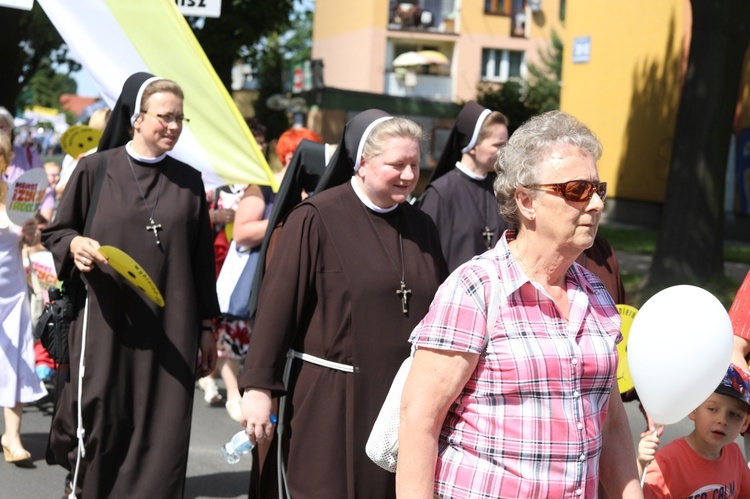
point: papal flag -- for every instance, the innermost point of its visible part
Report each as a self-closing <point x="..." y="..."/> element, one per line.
<point x="113" y="39"/>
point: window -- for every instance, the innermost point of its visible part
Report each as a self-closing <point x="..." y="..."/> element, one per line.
<point x="501" y="7"/>
<point x="501" y="65"/>
<point x="562" y="10"/>
<point x="504" y="7"/>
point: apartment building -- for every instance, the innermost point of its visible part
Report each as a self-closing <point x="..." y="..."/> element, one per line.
<point x="370" y="46"/>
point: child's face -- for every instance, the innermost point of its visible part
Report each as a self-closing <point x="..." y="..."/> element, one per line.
<point x="719" y="421"/>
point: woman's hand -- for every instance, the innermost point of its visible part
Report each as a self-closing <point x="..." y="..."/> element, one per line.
<point x="222" y="216"/>
<point x="85" y="253"/>
<point x="208" y="353"/>
<point x="256" y="414"/>
<point x="30" y="232"/>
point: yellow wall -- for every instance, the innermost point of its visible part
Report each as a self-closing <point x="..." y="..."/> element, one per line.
<point x="336" y="17"/>
<point x="629" y="91"/>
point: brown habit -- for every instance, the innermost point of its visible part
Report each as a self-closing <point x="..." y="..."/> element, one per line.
<point x="330" y="291"/>
<point x="140" y="359"/>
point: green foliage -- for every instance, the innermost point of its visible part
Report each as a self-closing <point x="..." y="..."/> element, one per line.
<point x="539" y="94"/>
<point x="243" y="24"/>
<point x="46" y="86"/>
<point x="544" y="80"/>
<point x="507" y="98"/>
<point x="29" y="42"/>
<point x="270" y="64"/>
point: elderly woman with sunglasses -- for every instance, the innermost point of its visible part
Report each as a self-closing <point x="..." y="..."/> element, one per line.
<point x="528" y="405"/>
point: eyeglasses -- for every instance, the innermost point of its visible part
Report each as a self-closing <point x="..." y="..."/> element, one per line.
<point x="168" y="119"/>
<point x="574" y="190"/>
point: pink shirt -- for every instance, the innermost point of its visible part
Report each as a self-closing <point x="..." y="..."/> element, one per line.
<point x="529" y="421"/>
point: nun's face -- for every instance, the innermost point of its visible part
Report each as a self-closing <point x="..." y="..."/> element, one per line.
<point x="389" y="178"/>
<point x="157" y="129"/>
<point x="485" y="152"/>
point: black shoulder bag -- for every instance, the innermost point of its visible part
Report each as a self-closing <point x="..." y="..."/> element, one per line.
<point x="54" y="324"/>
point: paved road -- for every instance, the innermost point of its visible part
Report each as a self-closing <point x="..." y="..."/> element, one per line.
<point x="208" y="475"/>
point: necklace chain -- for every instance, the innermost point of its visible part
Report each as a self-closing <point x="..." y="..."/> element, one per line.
<point x="487" y="233"/>
<point x="403" y="291"/>
<point x="152" y="225"/>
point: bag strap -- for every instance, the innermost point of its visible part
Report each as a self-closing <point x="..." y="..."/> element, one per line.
<point x="98" y="181"/>
<point x="492" y="306"/>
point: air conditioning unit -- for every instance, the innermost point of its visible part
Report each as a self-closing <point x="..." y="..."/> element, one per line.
<point x="535" y="5"/>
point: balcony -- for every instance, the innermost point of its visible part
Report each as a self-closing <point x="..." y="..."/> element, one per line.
<point x="432" y="16"/>
<point x="410" y="84"/>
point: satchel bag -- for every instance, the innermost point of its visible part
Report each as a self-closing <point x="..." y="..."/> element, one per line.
<point x="53" y="326"/>
<point x="235" y="280"/>
<point x="382" y="445"/>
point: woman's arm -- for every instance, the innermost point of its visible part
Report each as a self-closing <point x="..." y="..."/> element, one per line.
<point x="618" y="471"/>
<point x="435" y="380"/>
<point x="249" y="225"/>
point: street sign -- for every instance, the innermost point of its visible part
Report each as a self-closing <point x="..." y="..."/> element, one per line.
<point x="199" y="8"/>
<point x="581" y="49"/>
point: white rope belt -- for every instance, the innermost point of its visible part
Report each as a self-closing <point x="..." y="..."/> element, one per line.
<point x="306" y="357"/>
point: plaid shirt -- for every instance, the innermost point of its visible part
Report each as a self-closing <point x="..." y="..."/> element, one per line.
<point x="529" y="421"/>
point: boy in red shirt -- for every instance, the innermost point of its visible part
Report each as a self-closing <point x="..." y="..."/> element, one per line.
<point x="707" y="461"/>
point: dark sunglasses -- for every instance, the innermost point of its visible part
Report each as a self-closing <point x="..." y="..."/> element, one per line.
<point x="574" y="190"/>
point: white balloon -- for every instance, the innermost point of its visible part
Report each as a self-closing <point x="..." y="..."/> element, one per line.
<point x="679" y="349"/>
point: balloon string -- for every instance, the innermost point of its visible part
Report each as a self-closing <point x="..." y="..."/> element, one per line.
<point x="645" y="469"/>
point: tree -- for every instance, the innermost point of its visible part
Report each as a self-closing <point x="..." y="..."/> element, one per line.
<point x="46" y="85"/>
<point x="544" y="80"/>
<point x="540" y="93"/>
<point x="689" y="246"/>
<point x="243" y="23"/>
<point x="28" y="42"/>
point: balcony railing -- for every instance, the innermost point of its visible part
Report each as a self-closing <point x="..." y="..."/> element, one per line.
<point x="419" y="85"/>
<point x="436" y="16"/>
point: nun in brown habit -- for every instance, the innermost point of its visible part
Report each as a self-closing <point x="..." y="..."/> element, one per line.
<point x="354" y="271"/>
<point x="459" y="196"/>
<point x="132" y="410"/>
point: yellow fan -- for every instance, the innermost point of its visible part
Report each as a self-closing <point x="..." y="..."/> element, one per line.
<point x="130" y="270"/>
<point x="624" y="380"/>
<point x="79" y="139"/>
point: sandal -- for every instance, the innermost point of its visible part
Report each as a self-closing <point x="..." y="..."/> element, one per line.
<point x="18" y="456"/>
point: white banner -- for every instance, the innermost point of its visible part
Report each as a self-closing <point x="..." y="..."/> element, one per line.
<point x="28" y="4"/>
<point x="200" y="8"/>
<point x="113" y="39"/>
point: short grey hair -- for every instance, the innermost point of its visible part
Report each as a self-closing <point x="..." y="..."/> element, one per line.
<point x="396" y="127"/>
<point x="6" y="116"/>
<point x="529" y="146"/>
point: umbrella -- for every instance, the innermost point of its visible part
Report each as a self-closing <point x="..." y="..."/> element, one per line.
<point x="410" y="58"/>
<point x="434" y="57"/>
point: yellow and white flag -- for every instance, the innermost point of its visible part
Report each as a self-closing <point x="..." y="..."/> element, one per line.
<point x="113" y="39"/>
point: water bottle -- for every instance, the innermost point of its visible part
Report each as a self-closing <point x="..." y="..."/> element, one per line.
<point x="233" y="450"/>
<point x="240" y="444"/>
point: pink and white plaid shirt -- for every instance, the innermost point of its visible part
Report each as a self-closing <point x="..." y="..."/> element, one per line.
<point x="529" y="421"/>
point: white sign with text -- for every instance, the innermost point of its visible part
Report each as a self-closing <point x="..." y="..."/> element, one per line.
<point x="199" y="8"/>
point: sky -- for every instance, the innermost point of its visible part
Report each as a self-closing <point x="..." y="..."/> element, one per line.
<point x="86" y="85"/>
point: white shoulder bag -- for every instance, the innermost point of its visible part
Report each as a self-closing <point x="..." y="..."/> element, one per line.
<point x="382" y="446"/>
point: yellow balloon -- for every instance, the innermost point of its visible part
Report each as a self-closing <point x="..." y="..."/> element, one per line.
<point x="134" y="273"/>
<point x="624" y="381"/>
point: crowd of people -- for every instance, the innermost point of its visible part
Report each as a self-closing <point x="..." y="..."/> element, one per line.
<point x="494" y="278"/>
